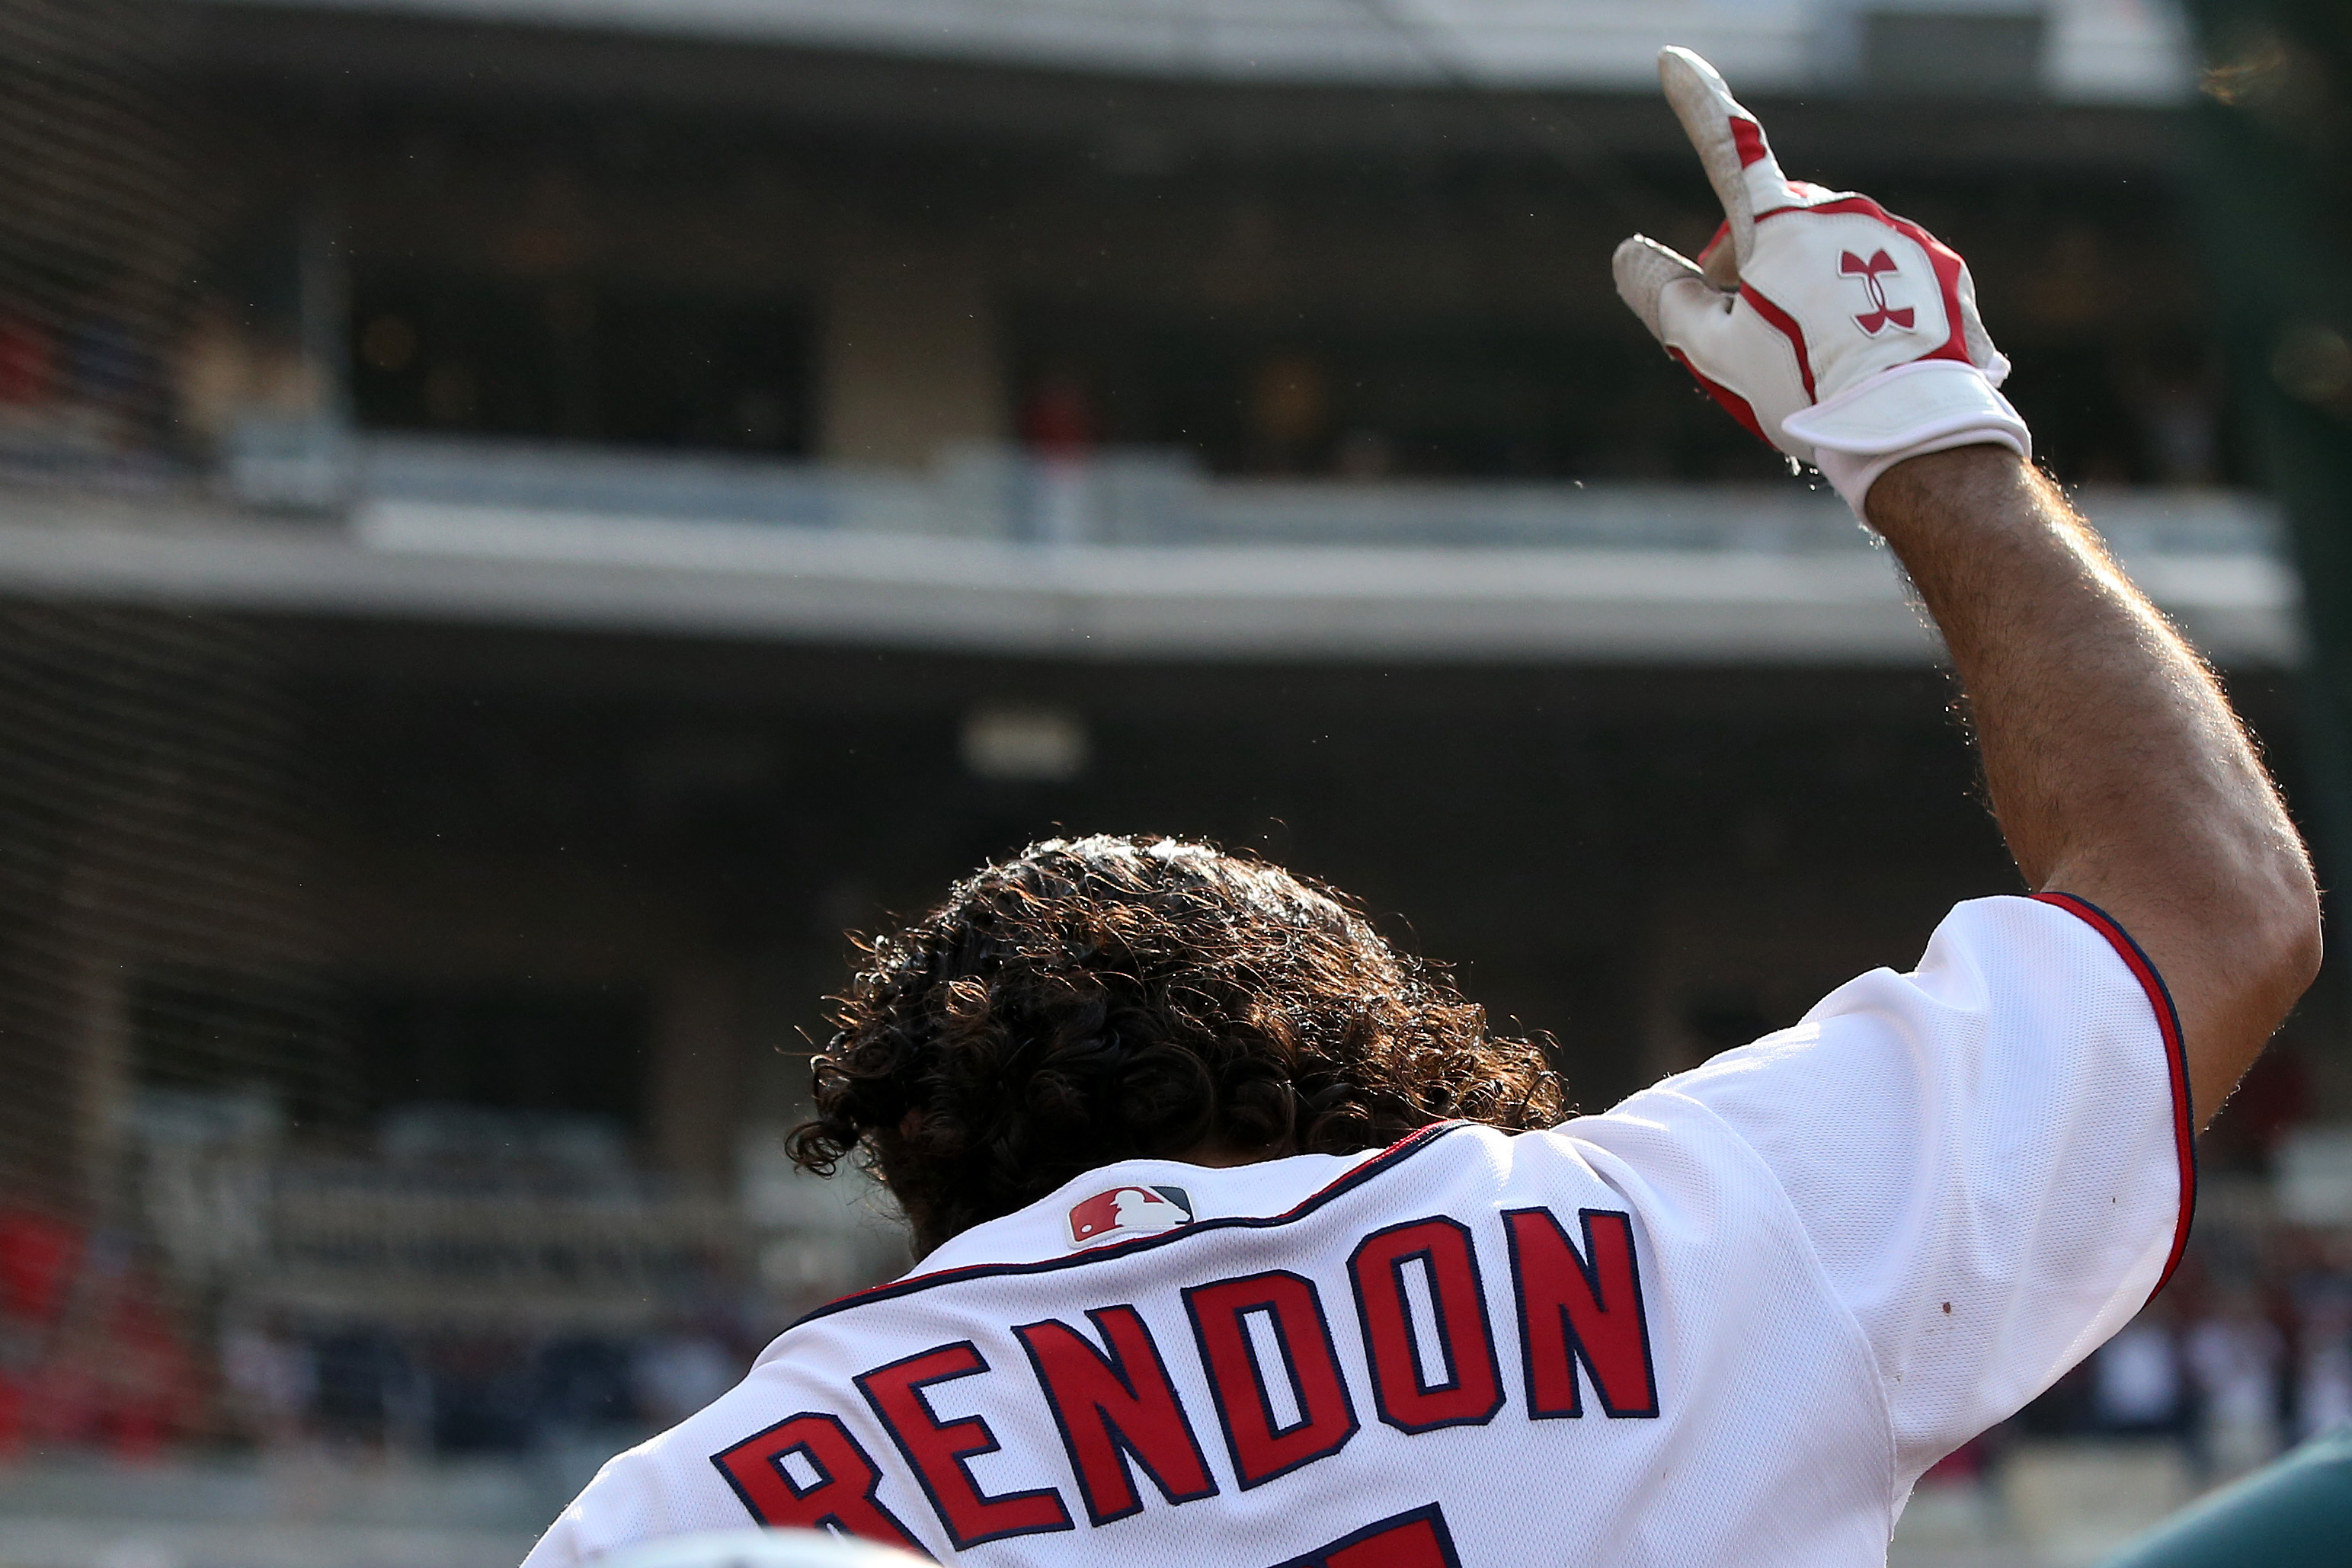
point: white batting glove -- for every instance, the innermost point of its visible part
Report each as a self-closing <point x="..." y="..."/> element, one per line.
<point x="1843" y="335"/>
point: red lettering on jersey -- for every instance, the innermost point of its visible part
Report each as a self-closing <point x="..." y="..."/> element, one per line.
<point x="1415" y="1539"/>
<point x="1415" y="1543"/>
<point x="1262" y="1446"/>
<point x="1116" y="1407"/>
<point x="941" y="1451"/>
<point x="1580" y="1306"/>
<point x="840" y="1497"/>
<point x="1471" y="1390"/>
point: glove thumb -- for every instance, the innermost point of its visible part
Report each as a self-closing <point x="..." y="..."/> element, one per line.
<point x="1643" y="268"/>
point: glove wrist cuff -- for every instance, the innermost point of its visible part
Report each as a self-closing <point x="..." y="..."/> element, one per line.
<point x="1851" y="477"/>
<point x="1927" y="406"/>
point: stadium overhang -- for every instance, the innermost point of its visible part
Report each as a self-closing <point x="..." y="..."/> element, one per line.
<point x="2077" y="50"/>
<point x="1160" y="84"/>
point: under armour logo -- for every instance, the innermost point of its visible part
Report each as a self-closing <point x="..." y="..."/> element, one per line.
<point x="1880" y="313"/>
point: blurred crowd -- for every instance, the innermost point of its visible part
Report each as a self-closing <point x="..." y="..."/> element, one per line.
<point x="71" y="388"/>
<point x="1591" y="406"/>
<point x="101" y="391"/>
<point x="2247" y="1353"/>
<point x="91" y="1352"/>
<point x="99" y="1351"/>
<point x="106" y="391"/>
<point x="456" y="1393"/>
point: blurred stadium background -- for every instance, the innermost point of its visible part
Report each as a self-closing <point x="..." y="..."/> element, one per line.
<point x="522" y="520"/>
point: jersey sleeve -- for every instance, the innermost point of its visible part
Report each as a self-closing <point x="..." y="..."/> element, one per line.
<point x="1991" y="1155"/>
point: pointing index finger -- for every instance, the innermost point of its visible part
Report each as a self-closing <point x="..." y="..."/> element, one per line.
<point x="1730" y="142"/>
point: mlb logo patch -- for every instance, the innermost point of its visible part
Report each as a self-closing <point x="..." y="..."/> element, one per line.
<point x="1121" y="1212"/>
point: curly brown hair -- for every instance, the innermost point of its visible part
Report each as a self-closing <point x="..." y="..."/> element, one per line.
<point x="1104" y="998"/>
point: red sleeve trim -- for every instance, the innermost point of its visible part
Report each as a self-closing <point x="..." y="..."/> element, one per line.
<point x="2167" y="1023"/>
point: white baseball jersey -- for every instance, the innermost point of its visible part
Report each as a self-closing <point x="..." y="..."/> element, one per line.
<point x="1728" y="1322"/>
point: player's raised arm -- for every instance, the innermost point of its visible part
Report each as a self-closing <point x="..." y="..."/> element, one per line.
<point x="2117" y="769"/>
<point x="1849" y="339"/>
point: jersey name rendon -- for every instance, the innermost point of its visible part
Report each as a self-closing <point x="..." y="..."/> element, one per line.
<point x="1265" y="1345"/>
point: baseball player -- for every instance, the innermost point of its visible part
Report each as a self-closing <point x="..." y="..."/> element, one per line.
<point x="1245" y="1245"/>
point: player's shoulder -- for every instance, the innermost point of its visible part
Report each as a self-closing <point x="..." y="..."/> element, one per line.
<point x="1987" y="949"/>
<point x="1987" y="960"/>
<point x="663" y="1486"/>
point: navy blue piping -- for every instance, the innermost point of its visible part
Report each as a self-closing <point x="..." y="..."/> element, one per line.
<point x="1411" y="1143"/>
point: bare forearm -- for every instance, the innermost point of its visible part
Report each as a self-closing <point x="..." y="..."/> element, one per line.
<point x="2116" y="767"/>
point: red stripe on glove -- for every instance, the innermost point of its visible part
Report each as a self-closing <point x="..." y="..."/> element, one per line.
<point x="1788" y="328"/>
<point x="1732" y="402"/>
<point x="1749" y="137"/>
